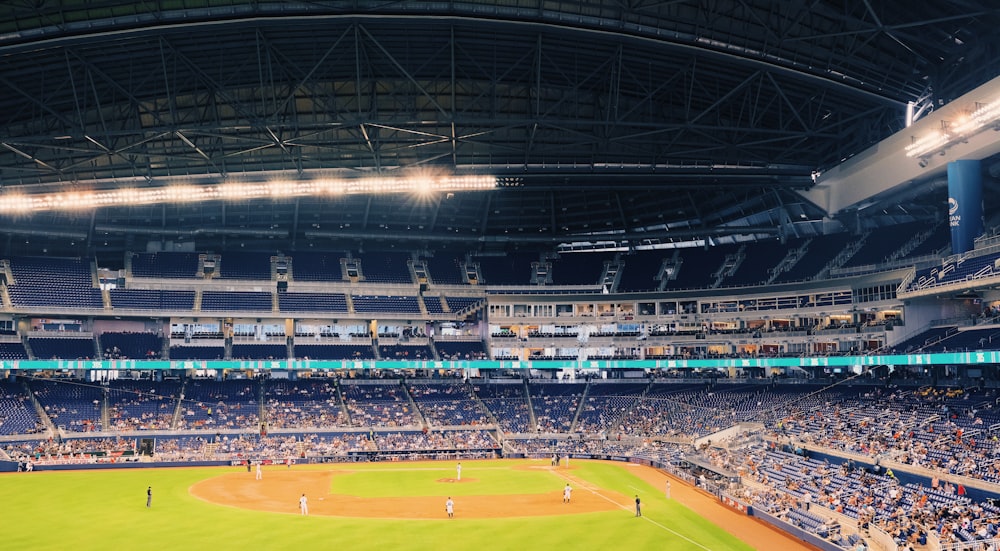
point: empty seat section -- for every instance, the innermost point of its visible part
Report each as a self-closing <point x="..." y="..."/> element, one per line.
<point x="13" y="351"/>
<point x="309" y="266"/>
<point x="386" y="267"/>
<point x="174" y="265"/>
<point x="445" y="269"/>
<point x="60" y="282"/>
<point x="246" y="301"/>
<point x="936" y="242"/>
<point x="461" y="304"/>
<point x="820" y="252"/>
<point x="241" y="265"/>
<point x="150" y="299"/>
<point x="509" y="269"/>
<point x="640" y="270"/>
<point x="579" y="268"/>
<point x="882" y="243"/>
<point x="761" y="257"/>
<point x="62" y="348"/>
<point x="433" y="304"/>
<point x="312" y="302"/>
<point x="385" y="303"/>
<point x="698" y="266"/>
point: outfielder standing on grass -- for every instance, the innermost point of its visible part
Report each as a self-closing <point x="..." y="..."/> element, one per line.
<point x="638" y="507"/>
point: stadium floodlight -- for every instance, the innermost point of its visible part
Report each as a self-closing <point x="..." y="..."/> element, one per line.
<point x="984" y="115"/>
<point x="21" y="203"/>
<point x="966" y="125"/>
<point x="927" y="144"/>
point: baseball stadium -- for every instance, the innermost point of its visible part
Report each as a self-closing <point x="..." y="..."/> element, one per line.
<point x="522" y="274"/>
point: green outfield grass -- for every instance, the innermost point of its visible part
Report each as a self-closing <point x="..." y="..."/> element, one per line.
<point x="102" y="510"/>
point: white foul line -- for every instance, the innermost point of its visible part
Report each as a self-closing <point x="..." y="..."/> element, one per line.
<point x="627" y="508"/>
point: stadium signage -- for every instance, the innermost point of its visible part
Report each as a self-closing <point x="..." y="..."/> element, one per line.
<point x="979" y="357"/>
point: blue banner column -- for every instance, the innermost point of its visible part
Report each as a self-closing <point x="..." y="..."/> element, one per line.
<point x="965" y="204"/>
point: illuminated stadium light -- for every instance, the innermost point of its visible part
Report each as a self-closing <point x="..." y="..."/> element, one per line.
<point x="967" y="124"/>
<point x="984" y="115"/>
<point x="927" y="144"/>
<point x="17" y="203"/>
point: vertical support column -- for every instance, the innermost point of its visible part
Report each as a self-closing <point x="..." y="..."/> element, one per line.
<point x="965" y="204"/>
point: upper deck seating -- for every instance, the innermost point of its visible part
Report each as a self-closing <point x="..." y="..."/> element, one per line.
<point x="151" y="299"/>
<point x="820" y="252"/>
<point x="312" y="302"/>
<point x="882" y="243"/>
<point x="385" y="303"/>
<point x="244" y="301"/>
<point x="760" y="258"/>
<point x="58" y="282"/>
<point x="579" y="268"/>
<point x="444" y="269"/>
<point x="245" y="265"/>
<point x="386" y="267"/>
<point x="460" y="304"/>
<point x="509" y="269"/>
<point x="170" y="265"/>
<point x="311" y="266"/>
<point x="640" y="270"/>
<point x="13" y="351"/>
<point x="62" y="348"/>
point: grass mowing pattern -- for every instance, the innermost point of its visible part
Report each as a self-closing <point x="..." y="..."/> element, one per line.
<point x="84" y="510"/>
